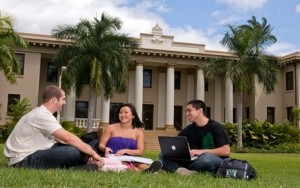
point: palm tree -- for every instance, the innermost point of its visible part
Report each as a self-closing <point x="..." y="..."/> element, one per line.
<point x="9" y="39"/>
<point x="247" y="43"/>
<point x="99" y="56"/>
<point x="261" y="33"/>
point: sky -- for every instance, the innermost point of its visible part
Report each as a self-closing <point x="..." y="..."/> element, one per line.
<point x="194" y="21"/>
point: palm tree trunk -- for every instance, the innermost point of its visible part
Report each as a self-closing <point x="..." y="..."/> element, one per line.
<point x="92" y="98"/>
<point x="239" y="113"/>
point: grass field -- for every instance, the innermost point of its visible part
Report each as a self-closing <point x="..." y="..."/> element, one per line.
<point x="275" y="170"/>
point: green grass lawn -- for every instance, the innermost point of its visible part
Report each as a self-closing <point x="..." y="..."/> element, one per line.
<point x="275" y="170"/>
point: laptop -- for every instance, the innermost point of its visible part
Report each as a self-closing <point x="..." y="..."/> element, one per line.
<point x="175" y="148"/>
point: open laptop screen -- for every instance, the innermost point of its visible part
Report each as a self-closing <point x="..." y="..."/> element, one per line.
<point x="175" y="148"/>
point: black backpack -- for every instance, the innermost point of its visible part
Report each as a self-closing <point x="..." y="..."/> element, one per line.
<point x="236" y="168"/>
<point x="88" y="137"/>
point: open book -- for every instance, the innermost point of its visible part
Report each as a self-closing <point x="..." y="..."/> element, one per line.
<point x="129" y="158"/>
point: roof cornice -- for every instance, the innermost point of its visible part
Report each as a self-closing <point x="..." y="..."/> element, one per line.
<point x="44" y="40"/>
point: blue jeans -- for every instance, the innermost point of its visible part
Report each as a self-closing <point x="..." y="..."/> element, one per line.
<point x="56" y="157"/>
<point x="205" y="162"/>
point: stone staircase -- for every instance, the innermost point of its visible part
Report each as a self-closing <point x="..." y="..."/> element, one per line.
<point x="151" y="140"/>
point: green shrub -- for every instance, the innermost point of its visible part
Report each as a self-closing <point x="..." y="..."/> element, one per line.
<point x="71" y="127"/>
<point x="264" y="136"/>
<point x="281" y="148"/>
<point x="296" y="114"/>
<point x="18" y="109"/>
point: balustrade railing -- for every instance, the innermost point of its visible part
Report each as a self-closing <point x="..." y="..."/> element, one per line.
<point x="82" y="123"/>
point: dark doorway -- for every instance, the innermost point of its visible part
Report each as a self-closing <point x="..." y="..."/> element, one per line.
<point x="178" y="117"/>
<point x="148" y="116"/>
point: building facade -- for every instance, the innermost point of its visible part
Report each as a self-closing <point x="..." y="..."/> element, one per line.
<point x="166" y="74"/>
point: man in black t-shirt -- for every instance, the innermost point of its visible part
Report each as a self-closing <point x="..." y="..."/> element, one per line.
<point x="208" y="141"/>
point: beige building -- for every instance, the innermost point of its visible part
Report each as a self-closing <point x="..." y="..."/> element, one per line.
<point x="166" y="75"/>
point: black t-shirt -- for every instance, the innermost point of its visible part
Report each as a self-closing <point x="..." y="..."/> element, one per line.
<point x="210" y="136"/>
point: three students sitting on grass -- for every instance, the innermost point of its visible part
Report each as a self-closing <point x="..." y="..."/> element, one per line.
<point x="39" y="141"/>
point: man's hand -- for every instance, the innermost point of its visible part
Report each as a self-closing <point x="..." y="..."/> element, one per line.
<point x="195" y="152"/>
<point x="96" y="159"/>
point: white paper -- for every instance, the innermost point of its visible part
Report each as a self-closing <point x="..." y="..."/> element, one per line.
<point x="129" y="158"/>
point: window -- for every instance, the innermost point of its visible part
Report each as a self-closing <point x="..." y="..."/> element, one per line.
<point x="247" y="113"/>
<point x="21" y="58"/>
<point x="52" y="72"/>
<point x="178" y="117"/>
<point x="289" y="114"/>
<point x="12" y="99"/>
<point x="113" y="110"/>
<point x="177" y="80"/>
<point x="147" y="78"/>
<point x="81" y="109"/>
<point x="271" y="114"/>
<point x="289" y="81"/>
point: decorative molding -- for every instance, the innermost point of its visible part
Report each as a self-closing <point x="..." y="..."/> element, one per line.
<point x="157" y="32"/>
<point x="157" y="39"/>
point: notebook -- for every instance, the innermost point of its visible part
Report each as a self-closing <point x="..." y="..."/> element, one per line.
<point x="175" y="148"/>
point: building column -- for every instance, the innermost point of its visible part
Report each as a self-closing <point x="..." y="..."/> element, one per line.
<point x="161" y="106"/>
<point x="170" y="97"/>
<point x="139" y="89"/>
<point x="200" y="93"/>
<point x="228" y="101"/>
<point x="70" y="107"/>
<point x="98" y="108"/>
<point x="105" y="107"/>
<point x="218" y="100"/>
<point x="297" y="75"/>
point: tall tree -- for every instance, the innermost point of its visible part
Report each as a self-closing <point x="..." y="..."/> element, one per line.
<point x="9" y="39"/>
<point x="261" y="32"/>
<point x="247" y="42"/>
<point x="99" y="56"/>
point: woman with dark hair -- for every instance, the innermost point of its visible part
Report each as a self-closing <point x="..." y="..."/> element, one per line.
<point x="126" y="137"/>
<point x="136" y="122"/>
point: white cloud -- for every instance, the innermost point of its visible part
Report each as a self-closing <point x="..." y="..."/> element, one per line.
<point x="281" y="49"/>
<point x="42" y="16"/>
<point x="157" y="5"/>
<point x="298" y="8"/>
<point x="230" y="19"/>
<point x="210" y="38"/>
<point x="244" y="5"/>
<point x="225" y="18"/>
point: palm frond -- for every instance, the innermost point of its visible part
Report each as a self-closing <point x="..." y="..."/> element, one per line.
<point x="9" y="39"/>
<point x="100" y="50"/>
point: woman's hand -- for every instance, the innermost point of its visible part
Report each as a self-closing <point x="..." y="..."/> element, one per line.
<point x="121" y="152"/>
<point x="107" y="151"/>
